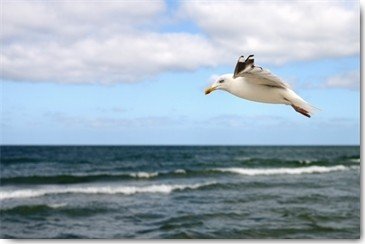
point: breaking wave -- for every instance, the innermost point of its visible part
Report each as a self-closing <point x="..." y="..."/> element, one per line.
<point x="143" y="174"/>
<point x="280" y="171"/>
<point x="83" y="177"/>
<point x="126" y="190"/>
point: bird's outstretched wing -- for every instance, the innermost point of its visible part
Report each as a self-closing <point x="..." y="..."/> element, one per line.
<point x="255" y="74"/>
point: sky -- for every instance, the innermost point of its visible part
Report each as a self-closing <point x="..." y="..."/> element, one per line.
<point x="134" y="72"/>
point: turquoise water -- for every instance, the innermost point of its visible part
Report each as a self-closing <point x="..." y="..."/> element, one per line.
<point x="180" y="192"/>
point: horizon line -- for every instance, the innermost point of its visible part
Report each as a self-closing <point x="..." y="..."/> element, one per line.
<point x="187" y="145"/>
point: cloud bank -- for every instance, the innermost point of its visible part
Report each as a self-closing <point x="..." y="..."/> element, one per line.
<point x="280" y="31"/>
<point x="118" y="41"/>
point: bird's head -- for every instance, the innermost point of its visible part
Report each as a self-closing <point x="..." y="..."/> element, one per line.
<point x="222" y="83"/>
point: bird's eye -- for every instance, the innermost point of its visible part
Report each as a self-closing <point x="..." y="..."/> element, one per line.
<point x="221" y="81"/>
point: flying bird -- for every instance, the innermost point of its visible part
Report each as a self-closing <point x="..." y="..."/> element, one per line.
<point x="257" y="84"/>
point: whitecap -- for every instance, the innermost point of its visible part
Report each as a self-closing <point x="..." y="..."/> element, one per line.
<point x="126" y="190"/>
<point x="180" y="171"/>
<point x="57" y="205"/>
<point x="306" y="161"/>
<point x="279" y="171"/>
<point x="144" y="174"/>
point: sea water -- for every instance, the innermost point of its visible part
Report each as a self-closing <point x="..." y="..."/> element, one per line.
<point x="253" y="192"/>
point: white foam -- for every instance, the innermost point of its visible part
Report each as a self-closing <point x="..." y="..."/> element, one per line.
<point x="21" y="194"/>
<point x="180" y="171"/>
<point x="126" y="190"/>
<point x="53" y="206"/>
<point x="355" y="160"/>
<point x="57" y="205"/>
<point x="144" y="174"/>
<point x="306" y="161"/>
<point x="279" y="171"/>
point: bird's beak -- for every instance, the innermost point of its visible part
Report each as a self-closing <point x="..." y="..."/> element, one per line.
<point x="210" y="89"/>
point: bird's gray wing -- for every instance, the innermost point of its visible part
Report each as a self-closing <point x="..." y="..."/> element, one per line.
<point x="257" y="75"/>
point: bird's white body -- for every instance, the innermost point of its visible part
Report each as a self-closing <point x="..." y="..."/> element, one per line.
<point x="254" y="83"/>
<point x="243" y="89"/>
<point x="240" y="87"/>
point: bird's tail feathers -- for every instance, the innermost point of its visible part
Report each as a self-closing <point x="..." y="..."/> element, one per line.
<point x="304" y="107"/>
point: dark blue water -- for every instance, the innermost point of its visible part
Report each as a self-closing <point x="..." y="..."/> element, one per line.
<point x="180" y="192"/>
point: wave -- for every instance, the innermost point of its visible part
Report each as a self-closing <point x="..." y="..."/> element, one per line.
<point x="44" y="210"/>
<point x="180" y="171"/>
<point x="30" y="209"/>
<point x="281" y="162"/>
<point x="307" y="161"/>
<point x="242" y="158"/>
<point x="87" y="177"/>
<point x="280" y="171"/>
<point x="79" y="178"/>
<point x="12" y="160"/>
<point x="126" y="190"/>
<point x="355" y="160"/>
<point x="143" y="174"/>
<point x="75" y="178"/>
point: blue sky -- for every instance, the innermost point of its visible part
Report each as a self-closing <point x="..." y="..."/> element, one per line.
<point x="135" y="72"/>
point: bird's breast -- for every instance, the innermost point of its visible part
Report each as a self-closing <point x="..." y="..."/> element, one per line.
<point x="257" y="93"/>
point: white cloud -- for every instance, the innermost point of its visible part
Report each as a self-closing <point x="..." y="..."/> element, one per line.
<point x="349" y="80"/>
<point x="119" y="41"/>
<point x="121" y="58"/>
<point x="70" y="20"/>
<point x="280" y="31"/>
<point x="92" y="43"/>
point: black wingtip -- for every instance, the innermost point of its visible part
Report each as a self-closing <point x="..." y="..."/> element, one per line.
<point x="243" y="64"/>
<point x="249" y="57"/>
<point x="241" y="58"/>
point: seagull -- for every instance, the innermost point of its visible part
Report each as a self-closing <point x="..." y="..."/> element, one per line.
<point x="254" y="83"/>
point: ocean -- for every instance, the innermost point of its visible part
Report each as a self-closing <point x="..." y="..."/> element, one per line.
<point x="200" y="192"/>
